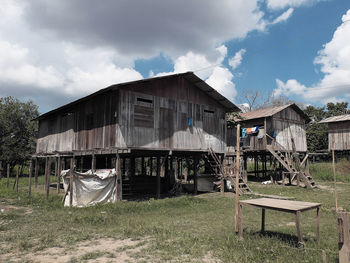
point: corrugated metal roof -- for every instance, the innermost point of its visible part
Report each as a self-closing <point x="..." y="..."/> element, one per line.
<point x="345" y="117"/>
<point x="190" y="76"/>
<point x="268" y="112"/>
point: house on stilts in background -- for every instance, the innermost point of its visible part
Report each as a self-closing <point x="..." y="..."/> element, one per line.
<point x="338" y="133"/>
<point x="277" y="136"/>
<point x="160" y="129"/>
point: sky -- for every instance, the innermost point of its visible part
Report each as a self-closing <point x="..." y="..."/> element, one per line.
<point x="54" y="52"/>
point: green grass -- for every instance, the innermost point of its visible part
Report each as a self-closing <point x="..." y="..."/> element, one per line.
<point x="183" y="229"/>
<point x="324" y="171"/>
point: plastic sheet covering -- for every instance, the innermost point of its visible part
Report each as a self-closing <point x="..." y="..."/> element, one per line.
<point x="90" y="188"/>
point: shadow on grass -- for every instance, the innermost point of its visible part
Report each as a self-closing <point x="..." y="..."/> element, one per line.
<point x="287" y="238"/>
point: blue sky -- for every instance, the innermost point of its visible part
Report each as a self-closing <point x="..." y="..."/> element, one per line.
<point x="56" y="52"/>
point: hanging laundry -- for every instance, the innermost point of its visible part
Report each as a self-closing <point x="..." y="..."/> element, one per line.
<point x="244" y="132"/>
<point x="255" y="129"/>
<point x="249" y="130"/>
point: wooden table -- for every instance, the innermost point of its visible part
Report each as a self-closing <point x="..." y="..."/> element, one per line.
<point x="288" y="206"/>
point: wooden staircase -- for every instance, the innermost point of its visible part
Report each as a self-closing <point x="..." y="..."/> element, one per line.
<point x="218" y="170"/>
<point x="291" y="163"/>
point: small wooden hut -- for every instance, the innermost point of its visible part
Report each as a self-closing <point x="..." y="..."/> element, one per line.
<point x="338" y="132"/>
<point x="156" y="127"/>
<point x="272" y="134"/>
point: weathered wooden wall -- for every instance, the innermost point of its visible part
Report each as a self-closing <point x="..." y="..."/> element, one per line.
<point x="339" y="135"/>
<point x="287" y="124"/>
<point x="290" y="124"/>
<point x="147" y="115"/>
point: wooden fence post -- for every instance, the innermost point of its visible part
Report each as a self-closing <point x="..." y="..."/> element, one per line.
<point x="118" y="180"/>
<point x="48" y="179"/>
<point x="158" y="178"/>
<point x="36" y="172"/>
<point x="344" y="236"/>
<point x="30" y="178"/>
<point x="58" y="174"/>
<point x="237" y="178"/>
<point x="335" y="181"/>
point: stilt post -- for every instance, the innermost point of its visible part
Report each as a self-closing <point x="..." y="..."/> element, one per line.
<point x="118" y="180"/>
<point x="71" y="175"/>
<point x="36" y="171"/>
<point x="59" y="167"/>
<point x="237" y="179"/>
<point x="48" y="179"/>
<point x="158" y="177"/>
<point x="30" y="178"/>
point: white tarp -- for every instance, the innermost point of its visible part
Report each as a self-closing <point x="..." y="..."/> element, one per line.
<point x="90" y="188"/>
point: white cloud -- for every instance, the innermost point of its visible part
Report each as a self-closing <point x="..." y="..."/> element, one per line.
<point x="334" y="60"/>
<point x="72" y="48"/>
<point x="283" y="17"/>
<point x="280" y="4"/>
<point x="16" y="68"/>
<point x="221" y="80"/>
<point x="237" y="59"/>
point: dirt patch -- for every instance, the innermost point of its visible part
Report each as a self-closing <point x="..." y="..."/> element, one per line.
<point x="101" y="250"/>
<point x="10" y="208"/>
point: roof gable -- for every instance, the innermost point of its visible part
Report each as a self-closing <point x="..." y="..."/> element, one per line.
<point x="189" y="76"/>
<point x="269" y="112"/>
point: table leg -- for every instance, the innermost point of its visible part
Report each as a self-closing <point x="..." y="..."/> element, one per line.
<point x="263" y="220"/>
<point x="318" y="223"/>
<point x="297" y="223"/>
<point x="240" y="219"/>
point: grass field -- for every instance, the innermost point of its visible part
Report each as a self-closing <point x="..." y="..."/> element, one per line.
<point x="184" y="229"/>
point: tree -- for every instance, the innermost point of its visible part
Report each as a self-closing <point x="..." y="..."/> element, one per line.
<point x="339" y="108"/>
<point x="316" y="133"/>
<point x="17" y="129"/>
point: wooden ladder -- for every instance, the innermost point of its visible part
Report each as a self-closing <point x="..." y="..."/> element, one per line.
<point x="216" y="166"/>
<point x="294" y="168"/>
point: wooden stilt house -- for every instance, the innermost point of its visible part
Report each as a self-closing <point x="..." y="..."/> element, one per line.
<point x="158" y="128"/>
<point x="273" y="134"/>
<point x="338" y="132"/>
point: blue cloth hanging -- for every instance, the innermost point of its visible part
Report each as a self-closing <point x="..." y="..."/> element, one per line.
<point x="244" y="132"/>
<point x="190" y="122"/>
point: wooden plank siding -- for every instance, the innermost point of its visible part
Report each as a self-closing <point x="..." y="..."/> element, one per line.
<point x="286" y="123"/>
<point x="147" y="115"/>
<point x="339" y="135"/>
<point x="289" y="124"/>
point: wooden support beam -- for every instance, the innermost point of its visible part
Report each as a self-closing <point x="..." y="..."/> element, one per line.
<point x="166" y="173"/>
<point x="297" y="224"/>
<point x="195" y="174"/>
<point x="71" y="178"/>
<point x="262" y="220"/>
<point x="237" y="221"/>
<point x="59" y="167"/>
<point x="118" y="180"/>
<point x="335" y="181"/>
<point x="30" y="178"/>
<point x="158" y="178"/>
<point x="36" y="172"/>
<point x="48" y="179"/>
<point x="93" y="163"/>
<point x="150" y="166"/>
<point x="344" y="236"/>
